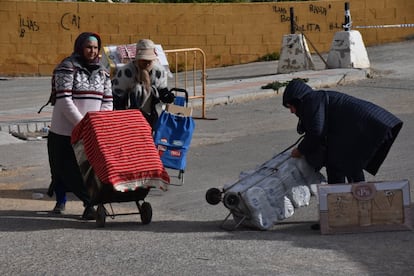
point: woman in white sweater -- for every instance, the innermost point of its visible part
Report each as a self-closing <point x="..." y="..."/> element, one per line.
<point x="80" y="84"/>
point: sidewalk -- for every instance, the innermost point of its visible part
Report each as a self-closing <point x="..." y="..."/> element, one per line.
<point x="220" y="89"/>
<point x="234" y="90"/>
<point x="224" y="85"/>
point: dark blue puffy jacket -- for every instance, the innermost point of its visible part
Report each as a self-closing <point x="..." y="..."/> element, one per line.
<point x="356" y="134"/>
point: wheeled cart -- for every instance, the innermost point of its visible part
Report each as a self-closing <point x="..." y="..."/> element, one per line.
<point x="105" y="196"/>
<point x="174" y="131"/>
<point x="269" y="194"/>
<point x="118" y="161"/>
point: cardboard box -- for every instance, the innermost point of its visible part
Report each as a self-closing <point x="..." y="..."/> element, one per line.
<point x="179" y="110"/>
<point x="365" y="207"/>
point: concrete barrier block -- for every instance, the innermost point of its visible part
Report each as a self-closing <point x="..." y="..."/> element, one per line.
<point x="348" y="51"/>
<point x="295" y="55"/>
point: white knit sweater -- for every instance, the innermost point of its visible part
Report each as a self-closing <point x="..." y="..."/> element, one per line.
<point x="78" y="91"/>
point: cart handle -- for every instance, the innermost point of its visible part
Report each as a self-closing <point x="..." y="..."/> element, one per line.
<point x="176" y="89"/>
<point x="294" y="144"/>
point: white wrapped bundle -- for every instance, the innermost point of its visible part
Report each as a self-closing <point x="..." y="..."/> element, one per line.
<point x="270" y="193"/>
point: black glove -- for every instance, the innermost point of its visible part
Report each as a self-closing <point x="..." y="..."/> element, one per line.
<point x="166" y="96"/>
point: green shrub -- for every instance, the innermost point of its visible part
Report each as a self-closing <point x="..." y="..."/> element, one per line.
<point x="269" y="57"/>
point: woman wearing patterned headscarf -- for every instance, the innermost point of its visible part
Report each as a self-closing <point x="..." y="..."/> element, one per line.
<point x="80" y="84"/>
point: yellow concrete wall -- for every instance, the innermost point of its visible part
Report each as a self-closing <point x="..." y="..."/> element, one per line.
<point x="36" y="35"/>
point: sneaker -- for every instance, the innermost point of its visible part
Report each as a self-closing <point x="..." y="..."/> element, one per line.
<point x="89" y="213"/>
<point x="59" y="208"/>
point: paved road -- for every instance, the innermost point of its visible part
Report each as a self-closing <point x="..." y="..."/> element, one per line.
<point x="184" y="237"/>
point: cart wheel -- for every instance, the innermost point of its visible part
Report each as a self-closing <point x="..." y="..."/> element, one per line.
<point x="213" y="196"/>
<point x="146" y="213"/>
<point x="100" y="216"/>
<point x="231" y="201"/>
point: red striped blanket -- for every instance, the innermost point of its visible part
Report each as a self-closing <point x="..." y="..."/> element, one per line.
<point x="120" y="148"/>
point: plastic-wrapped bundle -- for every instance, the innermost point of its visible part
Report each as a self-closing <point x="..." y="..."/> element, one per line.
<point x="270" y="193"/>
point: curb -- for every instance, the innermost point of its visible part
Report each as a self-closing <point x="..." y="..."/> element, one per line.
<point x="322" y="80"/>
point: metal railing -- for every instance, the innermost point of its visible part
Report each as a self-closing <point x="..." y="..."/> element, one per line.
<point x="189" y="72"/>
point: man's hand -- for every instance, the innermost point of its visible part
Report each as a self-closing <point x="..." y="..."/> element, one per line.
<point x="296" y="153"/>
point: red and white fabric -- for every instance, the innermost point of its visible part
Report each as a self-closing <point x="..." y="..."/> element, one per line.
<point x="120" y="148"/>
<point x="127" y="52"/>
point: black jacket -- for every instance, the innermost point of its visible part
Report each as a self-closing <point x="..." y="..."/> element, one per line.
<point x="356" y="134"/>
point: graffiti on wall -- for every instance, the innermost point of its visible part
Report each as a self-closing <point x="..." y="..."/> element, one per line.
<point x="309" y="27"/>
<point x="69" y="21"/>
<point x="319" y="9"/>
<point x="282" y="11"/>
<point x="27" y="24"/>
<point x="335" y="26"/>
<point x="284" y="16"/>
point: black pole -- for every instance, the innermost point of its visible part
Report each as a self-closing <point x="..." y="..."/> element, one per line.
<point x="292" y="21"/>
<point x="347" y="25"/>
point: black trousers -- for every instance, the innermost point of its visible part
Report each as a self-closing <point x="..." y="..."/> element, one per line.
<point x="64" y="167"/>
<point x="336" y="176"/>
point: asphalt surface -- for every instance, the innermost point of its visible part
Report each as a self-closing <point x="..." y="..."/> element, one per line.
<point x="185" y="237"/>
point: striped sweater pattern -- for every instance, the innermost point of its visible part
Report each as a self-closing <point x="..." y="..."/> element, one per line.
<point x="78" y="91"/>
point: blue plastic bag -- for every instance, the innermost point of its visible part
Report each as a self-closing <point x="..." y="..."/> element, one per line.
<point x="172" y="136"/>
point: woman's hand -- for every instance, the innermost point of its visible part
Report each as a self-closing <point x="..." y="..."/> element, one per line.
<point x="146" y="80"/>
<point x="296" y="153"/>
